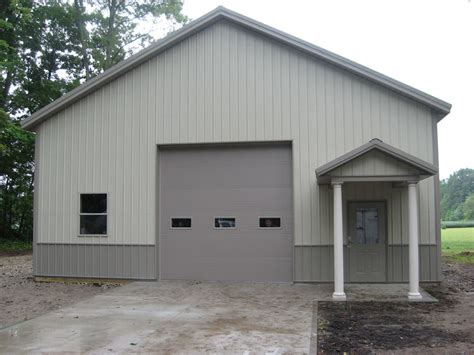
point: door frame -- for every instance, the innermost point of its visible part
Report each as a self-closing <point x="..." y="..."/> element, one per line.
<point x="346" y="232"/>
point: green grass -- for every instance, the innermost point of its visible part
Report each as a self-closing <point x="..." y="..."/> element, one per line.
<point x="457" y="244"/>
<point x="14" y="246"/>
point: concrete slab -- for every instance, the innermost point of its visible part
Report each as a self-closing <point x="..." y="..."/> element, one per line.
<point x="171" y="316"/>
<point x="374" y="292"/>
<point x="175" y="316"/>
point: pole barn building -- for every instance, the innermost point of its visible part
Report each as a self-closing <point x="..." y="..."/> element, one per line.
<point x="232" y="151"/>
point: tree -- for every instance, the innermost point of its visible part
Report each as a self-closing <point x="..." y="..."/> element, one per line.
<point x="47" y="48"/>
<point x="16" y="180"/>
<point x="454" y="192"/>
<point x="109" y="29"/>
<point x="468" y="208"/>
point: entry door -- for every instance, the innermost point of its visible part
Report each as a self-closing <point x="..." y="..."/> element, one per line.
<point x="366" y="241"/>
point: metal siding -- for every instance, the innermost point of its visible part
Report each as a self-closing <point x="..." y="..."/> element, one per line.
<point x="139" y="261"/>
<point x="208" y="90"/>
<point x="397" y="263"/>
<point x="375" y="163"/>
<point x="437" y="208"/>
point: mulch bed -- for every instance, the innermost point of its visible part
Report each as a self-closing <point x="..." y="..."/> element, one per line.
<point x="369" y="327"/>
<point x="362" y="327"/>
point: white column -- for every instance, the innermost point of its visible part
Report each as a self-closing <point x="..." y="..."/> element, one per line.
<point x="338" y="245"/>
<point x="413" y="229"/>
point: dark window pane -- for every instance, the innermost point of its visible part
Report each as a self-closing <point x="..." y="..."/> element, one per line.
<point x="180" y="222"/>
<point x="91" y="224"/>
<point x="270" y="222"/>
<point x="224" y="222"/>
<point x="367" y="226"/>
<point x="93" y="203"/>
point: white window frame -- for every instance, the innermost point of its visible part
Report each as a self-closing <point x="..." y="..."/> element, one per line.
<point x="94" y="214"/>
<point x="224" y="228"/>
<point x="181" y="217"/>
<point x="269" y="228"/>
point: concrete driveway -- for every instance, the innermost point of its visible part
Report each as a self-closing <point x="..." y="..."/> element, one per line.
<point x="176" y="316"/>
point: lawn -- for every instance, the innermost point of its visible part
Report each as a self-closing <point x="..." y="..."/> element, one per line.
<point x="457" y="244"/>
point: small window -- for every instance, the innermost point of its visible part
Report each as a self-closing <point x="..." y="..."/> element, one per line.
<point x="224" y="223"/>
<point x="181" y="222"/>
<point x="269" y="222"/>
<point x="93" y="214"/>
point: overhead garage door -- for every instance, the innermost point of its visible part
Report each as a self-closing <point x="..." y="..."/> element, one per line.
<point x="226" y="213"/>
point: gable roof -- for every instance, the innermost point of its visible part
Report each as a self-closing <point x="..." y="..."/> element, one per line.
<point x="442" y="108"/>
<point x="423" y="168"/>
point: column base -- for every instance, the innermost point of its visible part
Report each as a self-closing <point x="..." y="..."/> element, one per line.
<point x="414" y="296"/>
<point x="339" y="296"/>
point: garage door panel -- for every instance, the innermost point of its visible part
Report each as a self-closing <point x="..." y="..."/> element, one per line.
<point x="228" y="268"/>
<point x="229" y="246"/>
<point x="241" y="182"/>
<point x="259" y="270"/>
<point x="228" y="177"/>
<point x="247" y="224"/>
<point x="264" y="199"/>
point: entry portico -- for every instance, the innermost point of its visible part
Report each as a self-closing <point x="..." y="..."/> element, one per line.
<point x="361" y="230"/>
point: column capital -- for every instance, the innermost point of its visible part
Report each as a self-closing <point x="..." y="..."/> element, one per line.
<point x="337" y="182"/>
<point x="412" y="182"/>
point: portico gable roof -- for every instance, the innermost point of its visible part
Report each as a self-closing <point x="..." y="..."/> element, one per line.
<point x="375" y="161"/>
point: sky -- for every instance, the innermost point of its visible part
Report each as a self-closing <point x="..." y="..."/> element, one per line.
<point x="426" y="44"/>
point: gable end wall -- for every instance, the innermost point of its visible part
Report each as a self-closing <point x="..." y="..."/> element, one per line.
<point x="223" y="84"/>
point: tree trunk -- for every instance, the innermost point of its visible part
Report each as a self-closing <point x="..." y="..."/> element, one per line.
<point x="6" y="90"/>
<point x="83" y="35"/>
<point x="110" y="33"/>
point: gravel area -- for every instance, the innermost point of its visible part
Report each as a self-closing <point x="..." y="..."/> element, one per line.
<point x="22" y="298"/>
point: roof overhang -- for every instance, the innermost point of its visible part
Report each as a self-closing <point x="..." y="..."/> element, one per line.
<point x="440" y="107"/>
<point x="415" y="169"/>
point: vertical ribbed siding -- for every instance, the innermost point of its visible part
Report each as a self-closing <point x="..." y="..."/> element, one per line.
<point x="316" y="263"/>
<point x="224" y="84"/>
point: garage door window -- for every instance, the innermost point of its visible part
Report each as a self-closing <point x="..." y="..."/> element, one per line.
<point x="224" y="223"/>
<point x="181" y="222"/>
<point x="269" y="222"/>
<point x="93" y="215"/>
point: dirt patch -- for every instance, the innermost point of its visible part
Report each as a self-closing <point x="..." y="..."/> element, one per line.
<point x="368" y="327"/>
<point x="22" y="298"/>
<point x="14" y="253"/>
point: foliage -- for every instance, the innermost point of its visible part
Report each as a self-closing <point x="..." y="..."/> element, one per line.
<point x="110" y="28"/>
<point x="16" y="180"/>
<point x="468" y="207"/>
<point x="13" y="246"/>
<point x="457" y="224"/>
<point x="454" y="192"/>
<point x="458" y="244"/>
<point x="47" y="48"/>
